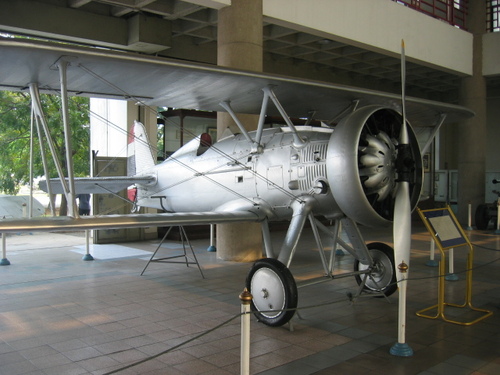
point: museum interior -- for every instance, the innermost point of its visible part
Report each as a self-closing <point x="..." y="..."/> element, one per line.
<point x="160" y="285"/>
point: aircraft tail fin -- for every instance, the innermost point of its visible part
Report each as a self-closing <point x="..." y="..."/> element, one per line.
<point x="139" y="152"/>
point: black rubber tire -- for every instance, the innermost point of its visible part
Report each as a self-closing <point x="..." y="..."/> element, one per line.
<point x="282" y="291"/>
<point x="482" y="217"/>
<point x="383" y="256"/>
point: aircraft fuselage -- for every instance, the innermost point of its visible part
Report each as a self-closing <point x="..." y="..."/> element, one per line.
<point x="230" y="176"/>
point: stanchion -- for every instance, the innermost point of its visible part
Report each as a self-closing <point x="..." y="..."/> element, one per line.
<point x="87" y="255"/>
<point x="498" y="216"/>
<point x="4" y="261"/>
<point x="246" y="299"/>
<point x="401" y="348"/>
<point x="469" y="217"/>
<point x="212" y="248"/>
<point x="451" y="268"/>
<point x="431" y="262"/>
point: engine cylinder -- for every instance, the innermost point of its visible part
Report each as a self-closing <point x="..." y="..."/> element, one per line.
<point x="362" y="164"/>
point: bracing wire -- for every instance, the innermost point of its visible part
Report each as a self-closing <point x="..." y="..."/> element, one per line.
<point x="213" y="147"/>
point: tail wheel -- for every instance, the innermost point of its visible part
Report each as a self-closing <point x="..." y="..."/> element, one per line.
<point x="382" y="276"/>
<point x="274" y="292"/>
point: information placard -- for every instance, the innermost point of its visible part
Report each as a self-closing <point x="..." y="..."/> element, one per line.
<point x="445" y="227"/>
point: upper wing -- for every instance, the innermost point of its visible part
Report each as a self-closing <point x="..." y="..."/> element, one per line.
<point x="173" y="83"/>
<point x="97" y="185"/>
<point x="63" y="223"/>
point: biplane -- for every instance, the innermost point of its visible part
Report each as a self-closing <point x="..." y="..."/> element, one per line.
<point x="363" y="166"/>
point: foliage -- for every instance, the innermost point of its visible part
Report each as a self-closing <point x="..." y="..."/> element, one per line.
<point x="15" y="124"/>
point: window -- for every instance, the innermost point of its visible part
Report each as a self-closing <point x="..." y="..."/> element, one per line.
<point x="452" y="11"/>
<point x="493" y="16"/>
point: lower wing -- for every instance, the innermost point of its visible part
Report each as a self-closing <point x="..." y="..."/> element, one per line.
<point x="64" y="223"/>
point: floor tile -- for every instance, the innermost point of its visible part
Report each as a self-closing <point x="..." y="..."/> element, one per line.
<point x="60" y="315"/>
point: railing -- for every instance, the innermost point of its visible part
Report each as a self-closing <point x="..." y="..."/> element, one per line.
<point x="452" y="11"/>
<point x="493" y="16"/>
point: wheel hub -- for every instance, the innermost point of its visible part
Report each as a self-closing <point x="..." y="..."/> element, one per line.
<point x="264" y="293"/>
<point x="272" y="292"/>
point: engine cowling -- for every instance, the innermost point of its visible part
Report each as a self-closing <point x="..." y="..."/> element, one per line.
<point x="363" y="164"/>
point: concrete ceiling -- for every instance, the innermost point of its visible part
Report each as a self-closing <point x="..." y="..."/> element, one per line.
<point x="195" y="25"/>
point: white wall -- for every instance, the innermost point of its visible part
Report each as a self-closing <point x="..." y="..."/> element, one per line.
<point x="491" y="54"/>
<point x="108" y="127"/>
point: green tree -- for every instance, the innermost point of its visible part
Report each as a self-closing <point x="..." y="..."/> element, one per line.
<point x="15" y="123"/>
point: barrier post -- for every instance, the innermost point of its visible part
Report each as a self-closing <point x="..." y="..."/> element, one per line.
<point x="4" y="261"/>
<point x="246" y="299"/>
<point x="451" y="267"/>
<point x="212" y="247"/>
<point x="498" y="216"/>
<point x="432" y="262"/>
<point x="469" y="217"/>
<point x="87" y="256"/>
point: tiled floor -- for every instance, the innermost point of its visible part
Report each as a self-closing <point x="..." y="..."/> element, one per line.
<point x="62" y="315"/>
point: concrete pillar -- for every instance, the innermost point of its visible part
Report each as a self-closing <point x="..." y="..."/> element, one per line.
<point x="239" y="45"/>
<point x="472" y="143"/>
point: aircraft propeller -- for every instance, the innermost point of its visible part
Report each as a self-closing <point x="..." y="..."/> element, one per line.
<point x="402" y="219"/>
<point x="404" y="166"/>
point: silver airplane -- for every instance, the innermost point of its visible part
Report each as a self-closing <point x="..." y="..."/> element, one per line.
<point x="365" y="168"/>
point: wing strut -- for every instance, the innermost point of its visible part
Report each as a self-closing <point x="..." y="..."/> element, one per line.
<point x="37" y="112"/>
<point x="227" y="106"/>
<point x="268" y="94"/>
<point x="433" y="134"/>
<point x="298" y="141"/>
<point x="35" y="118"/>
<point x="40" y="118"/>
<point x="62" y="65"/>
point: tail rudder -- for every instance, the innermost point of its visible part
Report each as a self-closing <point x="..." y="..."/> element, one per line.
<point x="139" y="152"/>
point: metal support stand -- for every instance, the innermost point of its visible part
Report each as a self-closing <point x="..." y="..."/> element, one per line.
<point x="444" y="228"/>
<point x="187" y="261"/>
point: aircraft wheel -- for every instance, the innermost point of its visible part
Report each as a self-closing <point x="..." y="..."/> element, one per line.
<point x="382" y="278"/>
<point x="273" y="288"/>
<point x="482" y="217"/>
